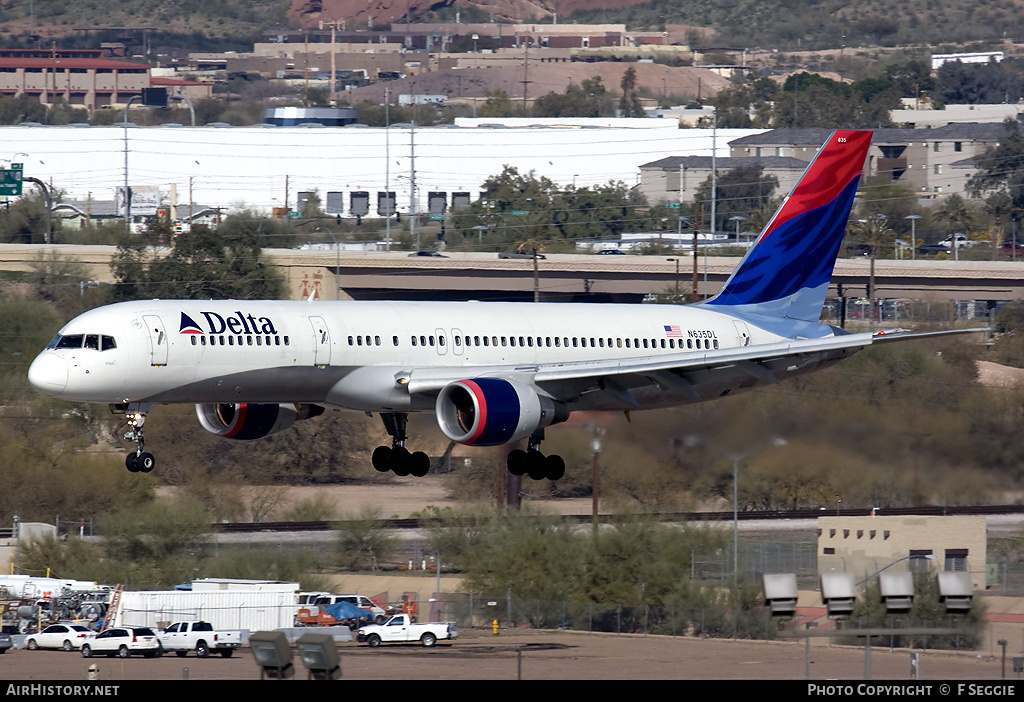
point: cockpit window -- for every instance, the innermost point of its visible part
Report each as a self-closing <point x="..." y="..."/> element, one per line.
<point x="71" y="341"/>
<point x="97" y="342"/>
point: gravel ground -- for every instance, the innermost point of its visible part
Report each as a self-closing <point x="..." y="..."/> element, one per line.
<point x="544" y="656"/>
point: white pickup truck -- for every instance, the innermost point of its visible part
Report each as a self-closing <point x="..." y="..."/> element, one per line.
<point x="200" y="637"/>
<point x="400" y="629"/>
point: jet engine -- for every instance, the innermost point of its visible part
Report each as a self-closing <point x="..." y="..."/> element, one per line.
<point x="247" y="421"/>
<point x="494" y="411"/>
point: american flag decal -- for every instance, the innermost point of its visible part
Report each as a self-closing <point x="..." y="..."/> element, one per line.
<point x="673" y="331"/>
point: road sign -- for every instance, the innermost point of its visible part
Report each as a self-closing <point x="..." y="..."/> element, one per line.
<point x="519" y="213"/>
<point x="10" y="180"/>
<point x="673" y="205"/>
<point x="437" y="217"/>
<point x="293" y="213"/>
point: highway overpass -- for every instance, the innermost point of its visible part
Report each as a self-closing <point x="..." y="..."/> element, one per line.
<point x="566" y="277"/>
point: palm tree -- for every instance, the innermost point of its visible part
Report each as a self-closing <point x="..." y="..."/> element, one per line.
<point x="874" y="232"/>
<point x="958" y="214"/>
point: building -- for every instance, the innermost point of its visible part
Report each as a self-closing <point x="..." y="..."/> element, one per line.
<point x="931" y="162"/>
<point x="351" y="168"/>
<point x="91" y="83"/>
<point x="677" y="178"/>
<point x="865" y="545"/>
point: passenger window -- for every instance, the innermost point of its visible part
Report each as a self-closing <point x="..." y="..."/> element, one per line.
<point x="394" y="341"/>
<point x="414" y="341"/>
<point x="194" y="342"/>
<point x="376" y="340"/>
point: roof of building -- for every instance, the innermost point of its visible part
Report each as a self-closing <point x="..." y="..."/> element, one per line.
<point x="886" y="135"/>
<point x="725" y="163"/>
<point x="59" y="62"/>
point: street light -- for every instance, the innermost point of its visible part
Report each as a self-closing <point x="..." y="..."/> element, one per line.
<point x="735" y="458"/>
<point x="737" y="219"/>
<point x="913" y="235"/>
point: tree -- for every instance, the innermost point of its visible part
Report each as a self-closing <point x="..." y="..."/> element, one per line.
<point x="591" y="99"/>
<point x="203" y="263"/>
<point x="1001" y="168"/>
<point x="742" y="191"/>
<point x="956" y="213"/>
<point x="874" y="232"/>
<point x="629" y="103"/>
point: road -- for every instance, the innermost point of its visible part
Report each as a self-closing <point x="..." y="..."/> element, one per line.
<point x="479" y="655"/>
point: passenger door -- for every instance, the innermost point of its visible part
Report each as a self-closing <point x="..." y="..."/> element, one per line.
<point x="157" y="339"/>
<point x="321" y="342"/>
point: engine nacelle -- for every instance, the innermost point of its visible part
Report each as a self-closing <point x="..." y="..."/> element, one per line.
<point x="493" y="411"/>
<point x="246" y="421"/>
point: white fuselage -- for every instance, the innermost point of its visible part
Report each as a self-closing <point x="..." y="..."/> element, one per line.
<point x="349" y="354"/>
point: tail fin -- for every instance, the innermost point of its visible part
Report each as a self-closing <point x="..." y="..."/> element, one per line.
<point x="787" y="271"/>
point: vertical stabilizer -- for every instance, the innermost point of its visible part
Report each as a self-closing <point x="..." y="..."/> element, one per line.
<point x="787" y="271"/>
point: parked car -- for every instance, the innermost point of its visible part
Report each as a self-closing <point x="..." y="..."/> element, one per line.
<point x="401" y="629"/>
<point x="432" y="254"/>
<point x="124" y="642"/>
<point x="6" y="642"/>
<point x="611" y="252"/>
<point x="67" y="637"/>
<point x="182" y="637"/>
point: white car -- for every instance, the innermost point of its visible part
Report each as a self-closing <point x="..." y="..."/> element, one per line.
<point x="123" y="641"/>
<point x="67" y="637"/>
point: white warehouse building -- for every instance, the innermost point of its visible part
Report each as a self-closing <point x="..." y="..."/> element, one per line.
<point x="351" y="168"/>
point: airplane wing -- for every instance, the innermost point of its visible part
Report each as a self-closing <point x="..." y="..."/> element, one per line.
<point x="685" y="373"/>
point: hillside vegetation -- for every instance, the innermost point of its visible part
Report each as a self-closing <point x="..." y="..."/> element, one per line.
<point x="781" y="24"/>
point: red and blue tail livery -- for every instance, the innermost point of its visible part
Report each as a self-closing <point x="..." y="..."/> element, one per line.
<point x="787" y="272"/>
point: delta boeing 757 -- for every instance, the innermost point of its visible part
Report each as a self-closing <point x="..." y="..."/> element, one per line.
<point x="493" y="373"/>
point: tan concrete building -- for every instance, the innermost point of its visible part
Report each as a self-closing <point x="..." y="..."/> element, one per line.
<point x="82" y="82"/>
<point x="865" y="545"/>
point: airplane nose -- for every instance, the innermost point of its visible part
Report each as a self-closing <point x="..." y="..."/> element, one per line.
<point x="48" y="373"/>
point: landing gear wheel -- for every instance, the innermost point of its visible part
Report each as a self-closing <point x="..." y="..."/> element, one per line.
<point x="382" y="459"/>
<point x="401" y="461"/>
<point x="419" y="464"/>
<point x="516" y="461"/>
<point x="145" y="462"/>
<point x="535" y="465"/>
<point x="555" y="467"/>
<point x="131" y="463"/>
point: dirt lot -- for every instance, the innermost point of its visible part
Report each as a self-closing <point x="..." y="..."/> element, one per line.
<point x="545" y="656"/>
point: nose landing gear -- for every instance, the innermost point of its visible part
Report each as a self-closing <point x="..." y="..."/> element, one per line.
<point x="137" y="461"/>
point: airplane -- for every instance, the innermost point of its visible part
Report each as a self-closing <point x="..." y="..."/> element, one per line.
<point x="493" y="373"/>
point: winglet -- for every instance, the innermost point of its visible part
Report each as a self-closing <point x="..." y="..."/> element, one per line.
<point x="787" y="271"/>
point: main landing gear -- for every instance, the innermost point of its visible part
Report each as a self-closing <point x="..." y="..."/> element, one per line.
<point x="137" y="461"/>
<point x="533" y="463"/>
<point x="396" y="458"/>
